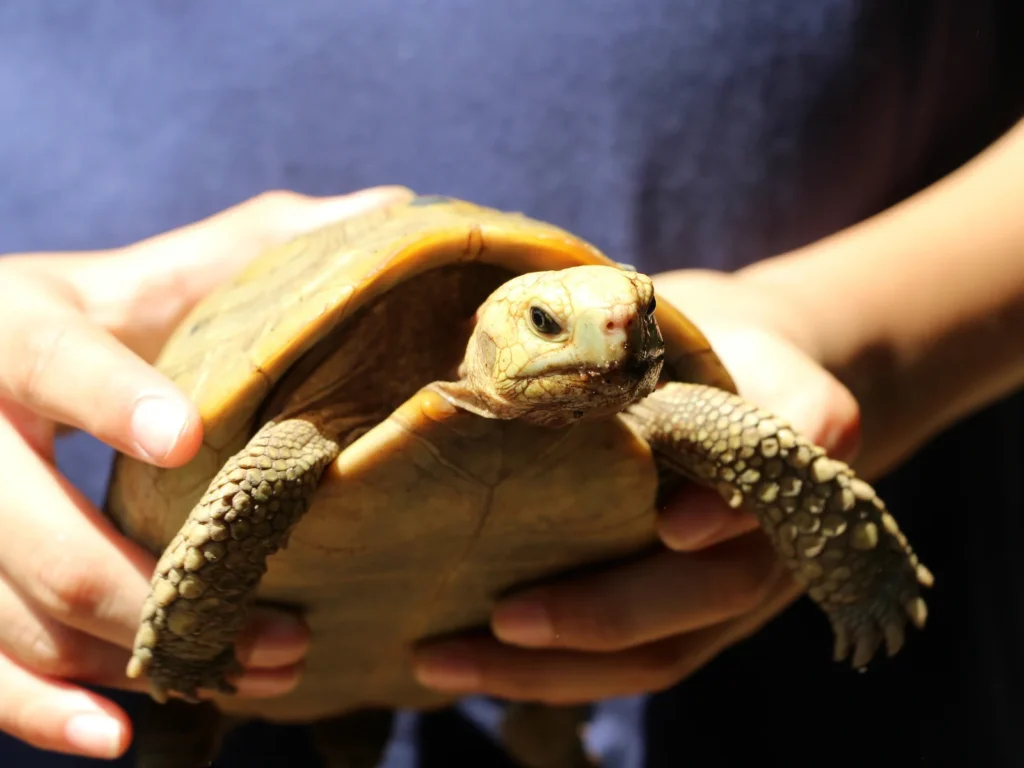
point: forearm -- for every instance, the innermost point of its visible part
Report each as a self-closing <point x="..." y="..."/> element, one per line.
<point x="919" y="310"/>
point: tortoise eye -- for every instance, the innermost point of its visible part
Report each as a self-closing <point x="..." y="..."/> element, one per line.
<point x="652" y="306"/>
<point x="544" y="322"/>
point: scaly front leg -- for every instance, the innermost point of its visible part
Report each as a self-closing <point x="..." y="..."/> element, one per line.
<point x="828" y="525"/>
<point x="207" y="577"/>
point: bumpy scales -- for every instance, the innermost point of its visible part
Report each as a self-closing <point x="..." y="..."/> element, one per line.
<point x="828" y="525"/>
<point x="206" y="579"/>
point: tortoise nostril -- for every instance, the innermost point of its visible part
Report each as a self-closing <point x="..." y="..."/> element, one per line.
<point x="619" y="319"/>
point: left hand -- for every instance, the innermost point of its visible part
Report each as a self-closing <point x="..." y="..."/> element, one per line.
<point x="77" y="341"/>
<point x="645" y="626"/>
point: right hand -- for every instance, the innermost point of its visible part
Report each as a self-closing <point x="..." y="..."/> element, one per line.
<point x="78" y="335"/>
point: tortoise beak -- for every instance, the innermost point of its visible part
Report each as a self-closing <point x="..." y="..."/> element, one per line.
<point x="642" y="365"/>
<point x="645" y="370"/>
<point x="647" y="354"/>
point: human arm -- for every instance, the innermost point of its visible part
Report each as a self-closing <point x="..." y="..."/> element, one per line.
<point x="919" y="310"/>
<point x="934" y="284"/>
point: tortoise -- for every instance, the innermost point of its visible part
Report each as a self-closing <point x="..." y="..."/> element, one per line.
<point x="430" y="405"/>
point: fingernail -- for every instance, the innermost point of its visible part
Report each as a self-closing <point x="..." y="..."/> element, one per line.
<point x="524" y="622"/>
<point x="280" y="641"/>
<point x="157" y="424"/>
<point x="448" y="671"/>
<point x="95" y="734"/>
<point x="688" y="530"/>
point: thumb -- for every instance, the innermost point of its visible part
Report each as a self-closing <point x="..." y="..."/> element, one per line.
<point x="775" y="374"/>
<point x="157" y="281"/>
<point x="237" y="234"/>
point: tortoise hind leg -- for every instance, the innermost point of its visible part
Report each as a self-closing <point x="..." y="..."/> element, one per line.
<point x="178" y="734"/>
<point x="546" y="736"/>
<point x="354" y="740"/>
<point x="207" y="577"/>
<point x="827" y="525"/>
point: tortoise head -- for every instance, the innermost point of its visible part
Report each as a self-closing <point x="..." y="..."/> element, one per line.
<point x="555" y="347"/>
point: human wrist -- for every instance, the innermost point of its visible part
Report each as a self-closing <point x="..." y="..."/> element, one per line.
<point x="920" y="309"/>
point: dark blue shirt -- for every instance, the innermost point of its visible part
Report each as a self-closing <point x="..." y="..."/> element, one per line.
<point x="671" y="133"/>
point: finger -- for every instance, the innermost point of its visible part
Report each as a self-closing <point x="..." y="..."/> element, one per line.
<point x="101" y="588"/>
<point x="58" y="365"/>
<point x="39" y="643"/>
<point x="38" y="432"/>
<point x="487" y="667"/>
<point x="272" y="639"/>
<point x="58" y="716"/>
<point x="62" y="554"/>
<point x="270" y="218"/>
<point x="142" y="293"/>
<point x="696" y="518"/>
<point x="211" y="246"/>
<point x="46" y="647"/>
<point x="659" y="596"/>
<point x="775" y="374"/>
<point x="58" y="358"/>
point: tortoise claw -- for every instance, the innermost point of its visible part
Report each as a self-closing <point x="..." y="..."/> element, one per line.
<point x="171" y="677"/>
<point x="868" y="641"/>
<point x="842" y="641"/>
<point x="894" y="637"/>
<point x="917" y="610"/>
<point x="862" y="631"/>
<point x="158" y="693"/>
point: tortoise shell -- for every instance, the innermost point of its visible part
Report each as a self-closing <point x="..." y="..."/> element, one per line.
<point x="430" y="515"/>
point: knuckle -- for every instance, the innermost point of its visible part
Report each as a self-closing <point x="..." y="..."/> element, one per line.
<point x="273" y="201"/>
<point x="593" y="620"/>
<point x="276" y="216"/>
<point x="38" y="344"/>
<point x="41" y="651"/>
<point x="71" y="591"/>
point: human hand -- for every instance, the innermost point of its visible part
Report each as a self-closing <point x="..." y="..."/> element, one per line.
<point x="78" y="336"/>
<point x="646" y="625"/>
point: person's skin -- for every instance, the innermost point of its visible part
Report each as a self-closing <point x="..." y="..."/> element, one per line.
<point x="936" y="283"/>
<point x="78" y="336"/>
<point x="919" y="311"/>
